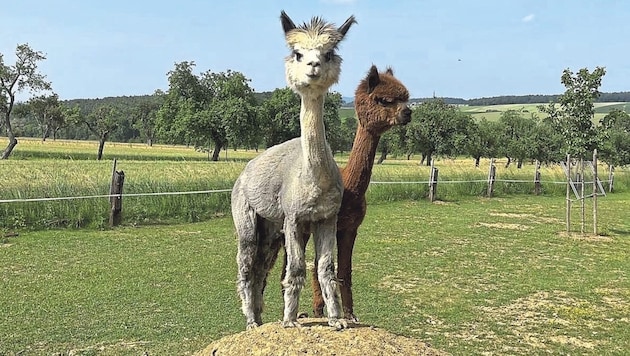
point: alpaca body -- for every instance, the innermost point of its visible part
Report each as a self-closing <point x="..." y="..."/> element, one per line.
<point x="294" y="188"/>
<point x="380" y="103"/>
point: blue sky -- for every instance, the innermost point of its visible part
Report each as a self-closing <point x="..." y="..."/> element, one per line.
<point x="466" y="49"/>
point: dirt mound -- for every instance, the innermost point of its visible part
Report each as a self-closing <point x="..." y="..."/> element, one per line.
<point x="315" y="337"/>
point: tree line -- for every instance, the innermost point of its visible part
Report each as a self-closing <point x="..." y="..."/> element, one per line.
<point x="210" y="111"/>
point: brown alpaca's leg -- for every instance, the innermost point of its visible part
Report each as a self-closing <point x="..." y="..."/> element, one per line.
<point x="345" y="244"/>
<point x="318" y="299"/>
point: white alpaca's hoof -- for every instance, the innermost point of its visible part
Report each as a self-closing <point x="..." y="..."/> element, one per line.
<point x="252" y="325"/>
<point x="338" y="324"/>
<point x="290" y="324"/>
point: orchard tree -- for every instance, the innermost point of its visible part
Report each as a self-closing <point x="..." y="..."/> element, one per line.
<point x="437" y="128"/>
<point x="280" y="117"/>
<point x="143" y="116"/>
<point x="517" y="137"/>
<point x="208" y="110"/>
<point x="17" y="78"/>
<point x="101" y="122"/>
<point x="614" y="131"/>
<point x="574" y="116"/>
<point x="48" y="112"/>
<point x="483" y="139"/>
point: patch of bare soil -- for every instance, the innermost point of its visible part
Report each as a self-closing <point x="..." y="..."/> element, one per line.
<point x="315" y="337"/>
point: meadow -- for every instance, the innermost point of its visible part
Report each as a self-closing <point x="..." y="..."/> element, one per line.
<point x="158" y="181"/>
<point x="468" y="274"/>
<point x="472" y="276"/>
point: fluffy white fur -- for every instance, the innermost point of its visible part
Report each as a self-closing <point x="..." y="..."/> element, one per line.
<point x="293" y="188"/>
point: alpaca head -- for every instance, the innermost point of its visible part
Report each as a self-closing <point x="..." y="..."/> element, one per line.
<point x="313" y="65"/>
<point x="381" y="102"/>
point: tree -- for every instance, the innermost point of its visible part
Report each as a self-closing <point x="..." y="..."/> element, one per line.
<point x="48" y="112"/>
<point x="14" y="79"/>
<point x="574" y="118"/>
<point x="101" y="122"/>
<point x="437" y="128"/>
<point x="207" y="111"/>
<point x="144" y="116"/>
<point x="280" y="117"/>
<point x="614" y="132"/>
<point x="517" y="136"/>
<point x="483" y="139"/>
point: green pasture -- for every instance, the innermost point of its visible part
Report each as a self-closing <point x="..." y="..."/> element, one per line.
<point x="493" y="112"/>
<point x="158" y="181"/>
<point x="471" y="276"/>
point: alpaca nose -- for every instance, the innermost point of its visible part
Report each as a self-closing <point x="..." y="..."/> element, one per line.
<point x="314" y="63"/>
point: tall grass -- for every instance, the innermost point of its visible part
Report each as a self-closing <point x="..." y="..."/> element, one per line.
<point x="162" y="169"/>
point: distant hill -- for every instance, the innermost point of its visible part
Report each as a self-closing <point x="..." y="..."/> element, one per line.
<point x="615" y="97"/>
<point x="347" y="102"/>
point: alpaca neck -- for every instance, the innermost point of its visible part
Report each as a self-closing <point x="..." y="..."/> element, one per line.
<point x="313" y="134"/>
<point x="356" y="175"/>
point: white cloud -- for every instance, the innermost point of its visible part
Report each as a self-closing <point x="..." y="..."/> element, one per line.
<point x="528" y="18"/>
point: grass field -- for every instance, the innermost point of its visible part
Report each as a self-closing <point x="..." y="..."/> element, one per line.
<point x="471" y="275"/>
<point x="474" y="276"/>
<point x="63" y="169"/>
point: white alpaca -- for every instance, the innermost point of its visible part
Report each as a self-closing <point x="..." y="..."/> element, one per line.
<point x="293" y="188"/>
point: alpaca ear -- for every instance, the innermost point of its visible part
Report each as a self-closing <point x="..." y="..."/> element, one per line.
<point x="389" y="71"/>
<point x="287" y="23"/>
<point x="372" y="79"/>
<point x="343" y="29"/>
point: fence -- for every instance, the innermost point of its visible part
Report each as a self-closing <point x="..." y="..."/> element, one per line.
<point x="116" y="194"/>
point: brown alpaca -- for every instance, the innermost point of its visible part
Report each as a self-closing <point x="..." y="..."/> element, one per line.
<point x="380" y="103"/>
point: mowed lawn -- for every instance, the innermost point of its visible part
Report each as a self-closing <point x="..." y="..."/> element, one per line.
<point x="471" y="276"/>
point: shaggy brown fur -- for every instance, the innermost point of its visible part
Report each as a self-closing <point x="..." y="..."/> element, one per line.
<point x="380" y="103"/>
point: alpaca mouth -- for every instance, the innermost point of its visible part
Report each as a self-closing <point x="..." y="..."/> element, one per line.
<point x="313" y="76"/>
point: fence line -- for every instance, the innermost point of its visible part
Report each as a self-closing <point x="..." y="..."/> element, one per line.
<point x="25" y="200"/>
<point x="115" y="195"/>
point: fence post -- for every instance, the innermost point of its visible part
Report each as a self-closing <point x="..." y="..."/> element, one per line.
<point x="582" y="183"/>
<point x="115" y="199"/>
<point x="568" y="212"/>
<point x="595" y="192"/>
<point x="492" y="171"/>
<point x="433" y="183"/>
<point x="537" y="186"/>
<point x="611" y="178"/>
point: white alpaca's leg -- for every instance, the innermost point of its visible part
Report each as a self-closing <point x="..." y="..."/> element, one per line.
<point x="325" y="240"/>
<point x="245" y="223"/>
<point x="295" y="273"/>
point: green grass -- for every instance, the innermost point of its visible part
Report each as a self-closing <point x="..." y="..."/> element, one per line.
<point x="471" y="276"/>
<point x="166" y="169"/>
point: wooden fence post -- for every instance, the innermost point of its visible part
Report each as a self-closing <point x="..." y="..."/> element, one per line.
<point x="568" y="212"/>
<point x="611" y="178"/>
<point x="595" y="191"/>
<point x="537" y="186"/>
<point x="433" y="183"/>
<point x="492" y="171"/>
<point x="115" y="199"/>
<point x="582" y="198"/>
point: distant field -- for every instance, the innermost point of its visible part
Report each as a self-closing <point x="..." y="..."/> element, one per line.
<point x="493" y="112"/>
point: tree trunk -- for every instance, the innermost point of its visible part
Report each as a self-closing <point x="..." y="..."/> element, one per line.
<point x="12" y="140"/>
<point x="509" y="160"/>
<point x="150" y="142"/>
<point x="216" y="152"/>
<point x="477" y="161"/>
<point x="101" y="145"/>
<point x="384" y="152"/>
<point x="428" y="159"/>
<point x="519" y="163"/>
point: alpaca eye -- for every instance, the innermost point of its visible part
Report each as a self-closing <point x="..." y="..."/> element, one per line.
<point x="329" y="56"/>
<point x="384" y="101"/>
<point x="298" y="56"/>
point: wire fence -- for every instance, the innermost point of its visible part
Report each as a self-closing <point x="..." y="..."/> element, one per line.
<point x="127" y="195"/>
